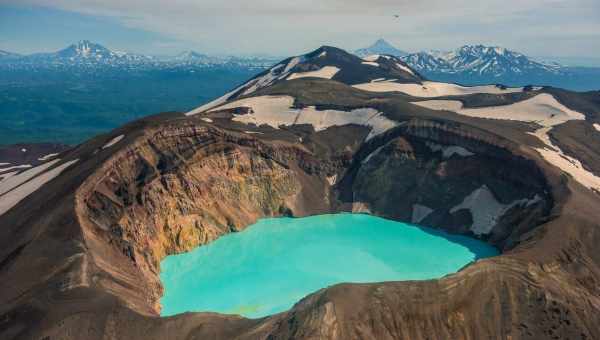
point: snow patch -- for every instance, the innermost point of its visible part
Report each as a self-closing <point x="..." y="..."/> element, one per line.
<point x="23" y="150"/>
<point x="371" y="63"/>
<point x="7" y="175"/>
<point x="113" y="141"/>
<point x="332" y="179"/>
<point x="597" y="126"/>
<point x="430" y="89"/>
<point x="404" y="68"/>
<point x="14" y="181"/>
<point x="439" y="104"/>
<point x="450" y="150"/>
<point x="48" y="156"/>
<point x="267" y="79"/>
<point x="206" y="119"/>
<point x="486" y="210"/>
<point x="276" y="111"/>
<point x="542" y="109"/>
<point x="326" y="72"/>
<point x="555" y="156"/>
<point x="10" y="199"/>
<point x="373" y="57"/>
<point x="251" y="86"/>
<point x="22" y="166"/>
<point x="214" y="103"/>
<point x="295" y="61"/>
<point x="419" y="213"/>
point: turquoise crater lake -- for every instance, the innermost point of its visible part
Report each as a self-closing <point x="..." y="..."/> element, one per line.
<point x="272" y="264"/>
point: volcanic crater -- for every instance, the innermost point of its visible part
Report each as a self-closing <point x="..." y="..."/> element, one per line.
<point x="80" y="255"/>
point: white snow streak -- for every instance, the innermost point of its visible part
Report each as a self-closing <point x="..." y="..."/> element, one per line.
<point x="16" y="180"/>
<point x="404" y="68"/>
<point x="214" y="103"/>
<point x="597" y="126"/>
<point x="326" y="72"/>
<point x="7" y="175"/>
<point x="10" y="199"/>
<point x="371" y="63"/>
<point x="48" y="156"/>
<point x="432" y="89"/>
<point x="373" y="57"/>
<point x="277" y="110"/>
<point x="542" y="109"/>
<point x="22" y="166"/>
<point x="113" y="141"/>
<point x="555" y="156"/>
<point x="251" y="86"/>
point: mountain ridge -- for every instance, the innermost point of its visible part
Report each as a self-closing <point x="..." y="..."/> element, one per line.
<point x="479" y="64"/>
<point x="88" y="54"/>
<point x="479" y="59"/>
<point x="467" y="65"/>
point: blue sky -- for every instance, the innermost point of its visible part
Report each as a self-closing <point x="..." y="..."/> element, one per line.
<point x="560" y="28"/>
<point x="29" y="29"/>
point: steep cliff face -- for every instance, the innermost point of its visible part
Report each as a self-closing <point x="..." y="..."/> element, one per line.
<point x="185" y="185"/>
<point x="181" y="187"/>
<point x="445" y="176"/>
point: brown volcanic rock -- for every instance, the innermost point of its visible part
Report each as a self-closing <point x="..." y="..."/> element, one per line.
<point x="181" y="188"/>
<point x="79" y="257"/>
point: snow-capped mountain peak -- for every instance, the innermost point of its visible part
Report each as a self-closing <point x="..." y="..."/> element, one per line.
<point x="92" y="56"/>
<point x="87" y="50"/>
<point x="190" y="55"/>
<point x="380" y="47"/>
<point x="491" y="61"/>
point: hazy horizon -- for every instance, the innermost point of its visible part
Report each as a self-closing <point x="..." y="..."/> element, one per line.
<point x="560" y="29"/>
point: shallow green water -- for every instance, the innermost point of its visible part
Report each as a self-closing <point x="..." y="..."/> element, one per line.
<point x="274" y="263"/>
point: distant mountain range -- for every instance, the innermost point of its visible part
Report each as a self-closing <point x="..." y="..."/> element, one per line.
<point x="468" y="65"/>
<point x="93" y="55"/>
<point x="479" y="64"/>
<point x="481" y="61"/>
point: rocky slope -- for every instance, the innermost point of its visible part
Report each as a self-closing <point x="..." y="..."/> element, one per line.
<point x="79" y="255"/>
